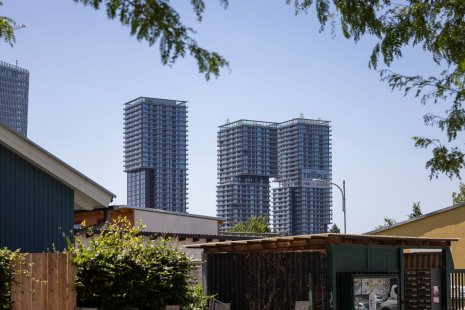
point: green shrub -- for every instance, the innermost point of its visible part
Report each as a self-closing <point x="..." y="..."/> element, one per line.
<point x="117" y="269"/>
<point x="8" y="259"/>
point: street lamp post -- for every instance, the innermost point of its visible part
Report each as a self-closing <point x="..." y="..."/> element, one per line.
<point x="343" y="192"/>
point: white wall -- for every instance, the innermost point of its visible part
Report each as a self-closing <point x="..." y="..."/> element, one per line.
<point x="176" y="223"/>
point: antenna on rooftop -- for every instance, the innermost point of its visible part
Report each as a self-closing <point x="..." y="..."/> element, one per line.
<point x="17" y="28"/>
<point x="301" y="115"/>
<point x="227" y="121"/>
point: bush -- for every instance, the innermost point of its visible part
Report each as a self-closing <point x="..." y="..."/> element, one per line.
<point x="117" y="269"/>
<point x="7" y="261"/>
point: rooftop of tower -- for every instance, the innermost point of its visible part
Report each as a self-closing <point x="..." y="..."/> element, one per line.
<point x="247" y="122"/>
<point x="8" y="65"/>
<point x="155" y="101"/>
<point x="304" y="121"/>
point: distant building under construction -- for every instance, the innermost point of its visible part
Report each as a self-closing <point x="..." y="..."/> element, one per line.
<point x="14" y="96"/>
<point x="294" y="153"/>
<point x="247" y="159"/>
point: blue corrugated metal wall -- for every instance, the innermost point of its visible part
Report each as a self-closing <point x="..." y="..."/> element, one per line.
<point x="35" y="209"/>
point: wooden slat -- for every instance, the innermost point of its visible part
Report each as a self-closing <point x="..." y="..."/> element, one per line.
<point x="36" y="277"/>
<point x="61" y="281"/>
<point x="72" y="298"/>
<point x="16" y="287"/>
<point x="44" y="281"/>
<point x="26" y="293"/>
<point x="52" y="282"/>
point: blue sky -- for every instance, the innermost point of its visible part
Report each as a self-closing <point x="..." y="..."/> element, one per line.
<point x="84" y="67"/>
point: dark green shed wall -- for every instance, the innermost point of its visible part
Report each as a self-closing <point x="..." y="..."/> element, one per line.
<point x="35" y="208"/>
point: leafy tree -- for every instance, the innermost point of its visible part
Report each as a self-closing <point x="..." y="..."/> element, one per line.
<point x="256" y="224"/>
<point x="458" y="197"/>
<point x="117" y="269"/>
<point x="152" y="21"/>
<point x="416" y="210"/>
<point x="335" y="229"/>
<point x="387" y="222"/>
<point x="435" y="26"/>
<point x="9" y="265"/>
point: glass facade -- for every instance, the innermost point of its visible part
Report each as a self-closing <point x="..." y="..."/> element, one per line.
<point x="14" y="94"/>
<point x="294" y="153"/>
<point x="155" y="153"/>
<point x="247" y="158"/>
<point x="301" y="205"/>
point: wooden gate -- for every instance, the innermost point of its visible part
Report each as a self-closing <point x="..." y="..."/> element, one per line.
<point x="44" y="281"/>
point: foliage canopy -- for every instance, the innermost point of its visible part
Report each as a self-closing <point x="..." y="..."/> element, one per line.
<point x="437" y="27"/>
<point x="8" y="260"/>
<point x="458" y="197"/>
<point x="257" y="224"/>
<point x="151" y="21"/>
<point x="416" y="210"/>
<point x="117" y="269"/>
<point x="335" y="229"/>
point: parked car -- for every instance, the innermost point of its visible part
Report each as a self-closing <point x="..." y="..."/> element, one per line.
<point x="383" y="302"/>
<point x="391" y="302"/>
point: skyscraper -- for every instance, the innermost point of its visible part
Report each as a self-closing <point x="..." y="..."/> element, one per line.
<point x="247" y="158"/>
<point x="14" y="94"/>
<point x="301" y="205"/>
<point x="155" y="153"/>
<point x="293" y="153"/>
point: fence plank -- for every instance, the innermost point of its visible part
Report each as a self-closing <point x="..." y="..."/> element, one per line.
<point x="72" y="298"/>
<point x="61" y="281"/>
<point x="36" y="276"/>
<point x="52" y="282"/>
<point x="27" y="288"/>
<point x="44" y="281"/>
<point x="16" y="287"/>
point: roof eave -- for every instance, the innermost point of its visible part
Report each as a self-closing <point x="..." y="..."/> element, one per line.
<point x="87" y="193"/>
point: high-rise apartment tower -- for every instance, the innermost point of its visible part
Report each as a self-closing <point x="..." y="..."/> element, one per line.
<point x="294" y="153"/>
<point x="14" y="94"/>
<point x="247" y="158"/>
<point x="302" y="205"/>
<point x="155" y="153"/>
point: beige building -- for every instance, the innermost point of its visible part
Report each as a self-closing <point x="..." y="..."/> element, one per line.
<point x="443" y="223"/>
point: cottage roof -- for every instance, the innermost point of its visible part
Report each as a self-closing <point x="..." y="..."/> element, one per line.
<point x="88" y="194"/>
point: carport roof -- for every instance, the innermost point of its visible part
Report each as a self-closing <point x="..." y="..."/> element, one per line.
<point x="318" y="242"/>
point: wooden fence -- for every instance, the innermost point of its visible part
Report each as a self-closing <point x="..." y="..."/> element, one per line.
<point x="45" y="281"/>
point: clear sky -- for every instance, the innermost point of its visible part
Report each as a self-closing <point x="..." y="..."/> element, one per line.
<point x="83" y="68"/>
